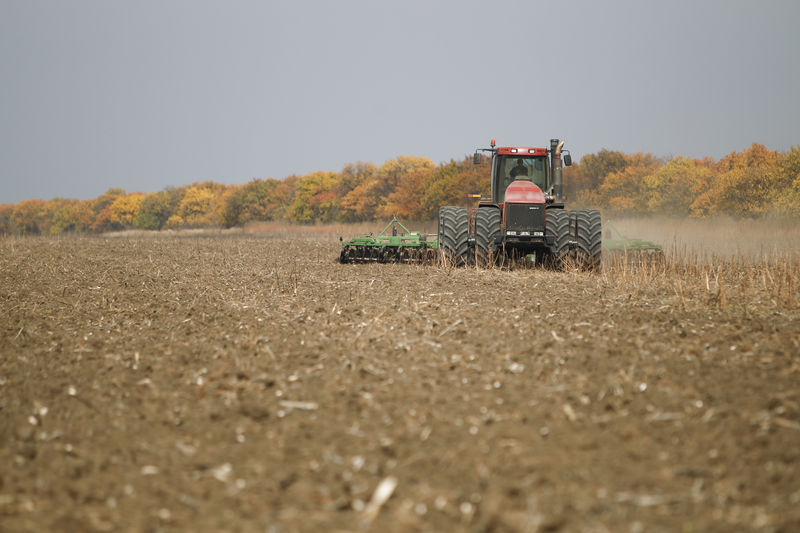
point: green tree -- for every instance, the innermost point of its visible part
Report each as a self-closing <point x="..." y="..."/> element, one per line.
<point x="157" y="208"/>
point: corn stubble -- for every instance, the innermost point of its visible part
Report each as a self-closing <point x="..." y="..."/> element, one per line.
<point x="248" y="381"/>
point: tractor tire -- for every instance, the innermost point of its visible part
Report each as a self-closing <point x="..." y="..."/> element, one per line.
<point x="487" y="228"/>
<point x="587" y="230"/>
<point x="557" y="225"/>
<point x="454" y="235"/>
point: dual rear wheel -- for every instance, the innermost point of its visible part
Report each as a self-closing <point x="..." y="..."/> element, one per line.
<point x="557" y="226"/>
<point x="487" y="228"/>
<point x="576" y="236"/>
<point x="454" y="235"/>
<point x="586" y="229"/>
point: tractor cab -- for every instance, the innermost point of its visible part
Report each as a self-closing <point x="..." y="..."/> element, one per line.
<point x="507" y="168"/>
<point x="538" y="166"/>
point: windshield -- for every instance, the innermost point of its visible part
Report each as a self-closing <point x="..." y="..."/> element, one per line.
<point x="511" y="167"/>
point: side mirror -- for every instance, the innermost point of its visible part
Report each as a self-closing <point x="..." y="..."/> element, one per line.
<point x="476" y="159"/>
<point x="567" y="160"/>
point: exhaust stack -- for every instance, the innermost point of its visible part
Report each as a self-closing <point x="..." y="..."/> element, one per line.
<point x="555" y="164"/>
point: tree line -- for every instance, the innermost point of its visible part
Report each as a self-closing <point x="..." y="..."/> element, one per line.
<point x="751" y="183"/>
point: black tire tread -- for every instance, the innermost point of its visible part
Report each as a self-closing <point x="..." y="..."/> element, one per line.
<point x="557" y="225"/>
<point x="454" y="234"/>
<point x="487" y="227"/>
<point x="587" y="230"/>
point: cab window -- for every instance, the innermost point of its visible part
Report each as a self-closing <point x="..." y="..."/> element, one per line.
<point x="511" y="167"/>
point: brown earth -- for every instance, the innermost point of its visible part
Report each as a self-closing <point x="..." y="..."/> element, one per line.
<point x="254" y="384"/>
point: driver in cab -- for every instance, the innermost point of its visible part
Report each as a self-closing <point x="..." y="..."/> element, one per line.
<point x="519" y="170"/>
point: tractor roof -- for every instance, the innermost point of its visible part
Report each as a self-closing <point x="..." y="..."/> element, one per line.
<point x="520" y="150"/>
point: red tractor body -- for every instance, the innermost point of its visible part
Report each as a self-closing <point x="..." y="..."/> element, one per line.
<point x="525" y="214"/>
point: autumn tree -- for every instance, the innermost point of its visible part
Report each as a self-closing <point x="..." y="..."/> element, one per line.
<point x="406" y="200"/>
<point x="315" y="198"/>
<point x="744" y="184"/>
<point x="358" y="190"/>
<point x="6" y="219"/>
<point x="31" y="217"/>
<point x="201" y="205"/>
<point x="367" y="189"/>
<point x="73" y="216"/>
<point x="752" y="183"/>
<point x="103" y="217"/>
<point x="624" y="191"/>
<point x="788" y="179"/>
<point x="156" y="208"/>
<point x="193" y="210"/>
<point x="450" y="183"/>
<point x="674" y="187"/>
<point x="125" y="209"/>
<point x="582" y="180"/>
<point x="362" y="202"/>
<point x="257" y="200"/>
<point x="390" y="174"/>
<point x="354" y="174"/>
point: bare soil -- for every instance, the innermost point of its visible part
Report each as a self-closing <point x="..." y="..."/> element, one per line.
<point x="243" y="383"/>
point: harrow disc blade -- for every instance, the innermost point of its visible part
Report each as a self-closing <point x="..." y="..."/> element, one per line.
<point x="399" y="247"/>
<point x="386" y="254"/>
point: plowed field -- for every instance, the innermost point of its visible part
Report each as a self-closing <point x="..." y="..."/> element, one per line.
<point x="245" y="383"/>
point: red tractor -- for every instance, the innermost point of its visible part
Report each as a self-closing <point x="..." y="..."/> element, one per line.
<point x="524" y="216"/>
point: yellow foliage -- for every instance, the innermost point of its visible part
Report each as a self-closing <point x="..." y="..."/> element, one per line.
<point x="754" y="182"/>
<point x="125" y="209"/>
<point x="195" y="209"/>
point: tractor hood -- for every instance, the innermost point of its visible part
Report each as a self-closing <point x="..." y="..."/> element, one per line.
<point x="524" y="192"/>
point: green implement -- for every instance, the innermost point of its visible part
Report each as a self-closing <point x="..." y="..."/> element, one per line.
<point x="615" y="242"/>
<point x="402" y="246"/>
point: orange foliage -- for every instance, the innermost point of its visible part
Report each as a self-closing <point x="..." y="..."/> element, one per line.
<point x="754" y="182"/>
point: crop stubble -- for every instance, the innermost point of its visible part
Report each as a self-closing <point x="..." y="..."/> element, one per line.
<point x="252" y="384"/>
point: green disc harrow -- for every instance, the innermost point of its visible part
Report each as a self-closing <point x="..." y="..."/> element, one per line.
<point x="401" y="246"/>
<point x="634" y="250"/>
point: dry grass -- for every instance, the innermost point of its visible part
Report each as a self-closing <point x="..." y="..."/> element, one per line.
<point x="715" y="239"/>
<point x="750" y="265"/>
<point x="750" y="284"/>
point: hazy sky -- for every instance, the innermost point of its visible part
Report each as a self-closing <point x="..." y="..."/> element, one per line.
<point x="147" y="94"/>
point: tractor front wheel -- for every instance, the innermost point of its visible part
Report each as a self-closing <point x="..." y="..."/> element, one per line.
<point x="454" y="235"/>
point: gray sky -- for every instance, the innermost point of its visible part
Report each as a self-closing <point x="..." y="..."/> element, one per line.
<point x="147" y="94"/>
